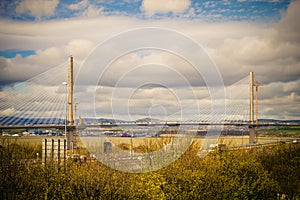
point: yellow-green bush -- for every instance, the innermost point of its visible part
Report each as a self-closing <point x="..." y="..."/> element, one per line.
<point x="257" y="174"/>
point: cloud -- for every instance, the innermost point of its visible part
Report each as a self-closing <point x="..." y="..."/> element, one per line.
<point x="288" y="28"/>
<point x="86" y="9"/>
<point x="79" y="5"/>
<point x="292" y="86"/>
<point x="284" y="107"/>
<point x="20" y="69"/>
<point x="37" y="8"/>
<point x="153" y="66"/>
<point x="273" y="53"/>
<point x="152" y="7"/>
<point x="92" y="11"/>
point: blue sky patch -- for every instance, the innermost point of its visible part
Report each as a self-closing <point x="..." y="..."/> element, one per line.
<point x="13" y="53"/>
<point x="208" y="10"/>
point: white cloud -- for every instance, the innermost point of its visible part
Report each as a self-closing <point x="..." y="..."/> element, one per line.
<point x="176" y="6"/>
<point x="37" y="8"/>
<point x="273" y="53"/>
<point x="87" y="10"/>
<point x="288" y="28"/>
<point x="284" y="107"/>
<point x="92" y="11"/>
<point x="78" y="5"/>
<point x="292" y="86"/>
<point x="19" y="69"/>
<point x="79" y="48"/>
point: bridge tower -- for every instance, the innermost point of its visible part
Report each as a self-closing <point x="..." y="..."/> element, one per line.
<point x="251" y="98"/>
<point x="70" y="133"/>
<point x="70" y="92"/>
<point x="251" y="127"/>
<point x="256" y="108"/>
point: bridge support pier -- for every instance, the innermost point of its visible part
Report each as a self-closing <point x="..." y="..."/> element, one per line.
<point x="70" y="139"/>
<point x="252" y="135"/>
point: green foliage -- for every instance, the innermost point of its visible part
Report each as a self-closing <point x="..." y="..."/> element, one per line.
<point x="260" y="173"/>
<point x="283" y="163"/>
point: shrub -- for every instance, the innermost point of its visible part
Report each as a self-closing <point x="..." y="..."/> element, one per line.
<point x="260" y="173"/>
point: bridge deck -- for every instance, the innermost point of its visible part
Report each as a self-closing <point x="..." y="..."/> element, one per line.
<point x="70" y="127"/>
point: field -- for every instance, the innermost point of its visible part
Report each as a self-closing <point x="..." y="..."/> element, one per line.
<point x="288" y="131"/>
<point x="138" y="142"/>
<point x="265" y="136"/>
<point x="230" y="141"/>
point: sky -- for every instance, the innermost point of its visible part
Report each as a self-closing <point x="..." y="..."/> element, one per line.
<point x="238" y="36"/>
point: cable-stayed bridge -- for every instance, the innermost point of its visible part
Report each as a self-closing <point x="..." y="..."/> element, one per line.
<point x="31" y="103"/>
<point x="54" y="100"/>
<point x="44" y="101"/>
<point x="49" y="100"/>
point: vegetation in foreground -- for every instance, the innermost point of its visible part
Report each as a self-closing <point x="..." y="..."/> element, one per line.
<point x="260" y="173"/>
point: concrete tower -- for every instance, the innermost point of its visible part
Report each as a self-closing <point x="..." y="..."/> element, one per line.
<point x="251" y="98"/>
<point x="70" y="134"/>
<point x="251" y="127"/>
<point x="70" y="92"/>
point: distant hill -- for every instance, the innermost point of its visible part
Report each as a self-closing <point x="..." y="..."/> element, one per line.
<point x="13" y="120"/>
<point x="279" y="121"/>
<point x="147" y="120"/>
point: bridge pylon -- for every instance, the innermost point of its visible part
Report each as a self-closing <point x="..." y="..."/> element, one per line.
<point x="251" y="127"/>
<point x="70" y="132"/>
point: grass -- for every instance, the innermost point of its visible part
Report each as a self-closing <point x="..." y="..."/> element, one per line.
<point x="288" y="131"/>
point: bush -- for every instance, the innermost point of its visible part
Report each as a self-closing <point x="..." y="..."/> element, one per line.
<point x="261" y="173"/>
